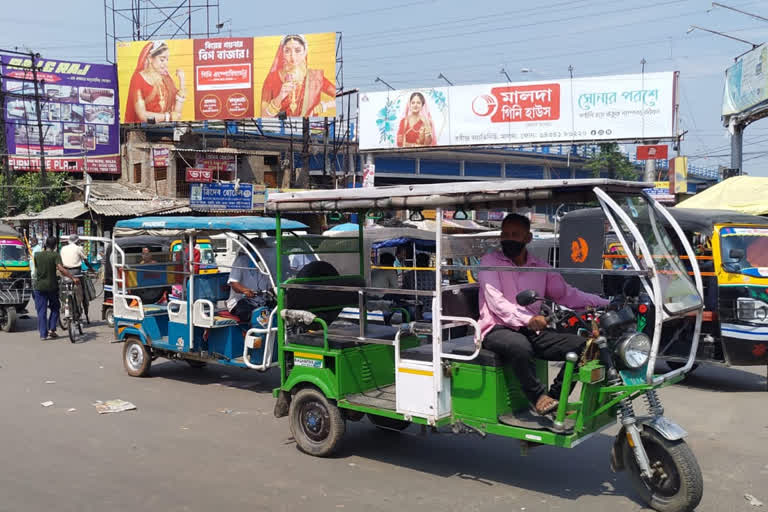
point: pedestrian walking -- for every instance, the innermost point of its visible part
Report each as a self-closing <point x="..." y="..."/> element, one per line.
<point x="45" y="288"/>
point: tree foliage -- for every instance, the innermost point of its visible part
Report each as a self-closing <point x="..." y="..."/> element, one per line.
<point x="611" y="163"/>
<point x="27" y="194"/>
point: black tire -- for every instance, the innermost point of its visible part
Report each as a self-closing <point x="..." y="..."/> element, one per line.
<point x="9" y="319"/>
<point x="137" y="359"/>
<point x="682" y="489"/>
<point x="194" y="363"/>
<point x="388" y="424"/>
<point x="674" y="365"/>
<point x="109" y="316"/>
<point x="64" y="323"/>
<point x="316" y="424"/>
<point x="72" y="332"/>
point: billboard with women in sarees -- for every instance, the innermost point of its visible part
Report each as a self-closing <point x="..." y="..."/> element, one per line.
<point x="227" y="78"/>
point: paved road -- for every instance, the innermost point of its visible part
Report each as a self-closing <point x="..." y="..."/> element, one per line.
<point x="205" y="440"/>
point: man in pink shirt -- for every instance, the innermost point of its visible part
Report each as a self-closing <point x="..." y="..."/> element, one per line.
<point x="519" y="333"/>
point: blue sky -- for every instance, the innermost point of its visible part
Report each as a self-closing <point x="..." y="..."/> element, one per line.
<point x="409" y="42"/>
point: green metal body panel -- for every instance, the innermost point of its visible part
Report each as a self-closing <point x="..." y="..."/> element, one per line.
<point x="486" y="392"/>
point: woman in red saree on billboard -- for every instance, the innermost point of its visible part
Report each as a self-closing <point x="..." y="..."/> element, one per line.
<point x="416" y="126"/>
<point x="152" y="94"/>
<point x="291" y="87"/>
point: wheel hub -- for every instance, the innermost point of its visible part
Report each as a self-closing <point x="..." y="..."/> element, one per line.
<point x="315" y="422"/>
<point x="135" y="356"/>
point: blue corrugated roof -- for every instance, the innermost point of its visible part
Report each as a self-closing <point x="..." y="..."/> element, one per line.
<point x="244" y="223"/>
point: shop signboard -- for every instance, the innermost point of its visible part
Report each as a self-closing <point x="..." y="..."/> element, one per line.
<point x="678" y="175"/>
<point x="660" y="192"/>
<point x="217" y="162"/>
<point x="221" y="196"/>
<point x="653" y="152"/>
<point x="160" y="157"/>
<point x="227" y="78"/>
<point x="196" y="175"/>
<point x="78" y="113"/>
<point x="606" y="108"/>
<point x="746" y="82"/>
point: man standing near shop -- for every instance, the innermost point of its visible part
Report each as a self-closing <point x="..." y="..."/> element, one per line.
<point x="46" y="288"/>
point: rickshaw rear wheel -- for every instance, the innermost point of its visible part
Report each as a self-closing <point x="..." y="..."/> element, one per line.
<point x="109" y="316"/>
<point x="677" y="484"/>
<point x="316" y="424"/>
<point x="9" y="319"/>
<point x="388" y="424"/>
<point x="136" y="358"/>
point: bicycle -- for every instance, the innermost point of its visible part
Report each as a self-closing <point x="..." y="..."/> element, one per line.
<point x="71" y="311"/>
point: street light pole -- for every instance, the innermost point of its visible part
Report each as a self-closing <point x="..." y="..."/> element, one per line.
<point x="721" y="34"/>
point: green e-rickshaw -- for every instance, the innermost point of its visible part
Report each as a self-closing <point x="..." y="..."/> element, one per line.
<point x="333" y="371"/>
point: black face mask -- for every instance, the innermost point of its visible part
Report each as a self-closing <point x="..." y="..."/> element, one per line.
<point x="512" y="248"/>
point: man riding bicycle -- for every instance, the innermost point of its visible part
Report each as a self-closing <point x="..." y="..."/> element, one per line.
<point x="73" y="257"/>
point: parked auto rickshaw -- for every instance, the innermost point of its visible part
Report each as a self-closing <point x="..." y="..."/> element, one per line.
<point x="732" y="252"/>
<point x="193" y="323"/>
<point x="15" y="277"/>
<point x="331" y="373"/>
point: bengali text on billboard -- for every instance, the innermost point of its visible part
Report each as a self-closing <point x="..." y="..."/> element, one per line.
<point x="78" y="115"/>
<point x="623" y="107"/>
<point x="227" y="78"/>
<point x="746" y="82"/>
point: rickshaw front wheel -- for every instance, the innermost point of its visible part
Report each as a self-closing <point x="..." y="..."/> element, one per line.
<point x="316" y="424"/>
<point x="136" y="358"/>
<point x="9" y="319"/>
<point x="677" y="484"/>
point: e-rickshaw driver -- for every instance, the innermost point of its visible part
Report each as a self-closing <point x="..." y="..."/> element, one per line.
<point x="521" y="333"/>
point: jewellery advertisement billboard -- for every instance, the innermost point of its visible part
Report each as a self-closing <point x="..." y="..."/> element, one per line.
<point x="227" y="78"/>
<point x="620" y="107"/>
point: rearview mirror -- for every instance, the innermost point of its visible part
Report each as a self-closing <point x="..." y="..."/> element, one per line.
<point x="527" y="297"/>
<point x="736" y="254"/>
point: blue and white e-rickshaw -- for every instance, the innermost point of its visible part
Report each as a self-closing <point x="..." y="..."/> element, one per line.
<point x="193" y="323"/>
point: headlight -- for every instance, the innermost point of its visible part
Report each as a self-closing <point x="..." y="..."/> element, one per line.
<point x="633" y="349"/>
<point x="751" y="310"/>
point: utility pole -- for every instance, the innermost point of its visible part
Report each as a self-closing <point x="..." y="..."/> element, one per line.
<point x="6" y="160"/>
<point x="41" y="135"/>
<point x="302" y="181"/>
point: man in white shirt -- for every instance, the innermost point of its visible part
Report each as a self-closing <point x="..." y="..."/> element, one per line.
<point x="35" y="247"/>
<point x="73" y="257"/>
<point x="245" y="282"/>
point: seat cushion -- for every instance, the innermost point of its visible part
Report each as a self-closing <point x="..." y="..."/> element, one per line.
<point x="463" y="346"/>
<point x="223" y="321"/>
<point x="347" y="329"/>
<point x="155" y="309"/>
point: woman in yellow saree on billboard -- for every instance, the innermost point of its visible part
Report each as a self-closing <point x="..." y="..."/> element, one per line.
<point x="152" y="94"/>
<point x="291" y="87"/>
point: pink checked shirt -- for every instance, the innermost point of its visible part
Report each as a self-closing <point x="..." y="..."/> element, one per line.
<point x="499" y="289"/>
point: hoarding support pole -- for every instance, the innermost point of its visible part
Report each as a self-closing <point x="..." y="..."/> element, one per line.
<point x="650" y="171"/>
<point x="303" y="179"/>
<point x="737" y="140"/>
<point x="41" y="135"/>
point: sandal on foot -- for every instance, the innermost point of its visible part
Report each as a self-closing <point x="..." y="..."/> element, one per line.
<point x="545" y="405"/>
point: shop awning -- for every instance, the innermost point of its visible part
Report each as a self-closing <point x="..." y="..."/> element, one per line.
<point x="67" y="211"/>
<point x="745" y="194"/>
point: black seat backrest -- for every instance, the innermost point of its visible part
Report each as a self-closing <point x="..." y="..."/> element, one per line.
<point x="463" y="302"/>
<point x="309" y="299"/>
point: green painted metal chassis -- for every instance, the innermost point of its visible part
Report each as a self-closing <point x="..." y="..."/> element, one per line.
<point x="479" y="393"/>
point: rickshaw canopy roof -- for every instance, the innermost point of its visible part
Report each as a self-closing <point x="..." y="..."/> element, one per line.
<point x="156" y="225"/>
<point x="475" y="194"/>
<point x="690" y="219"/>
